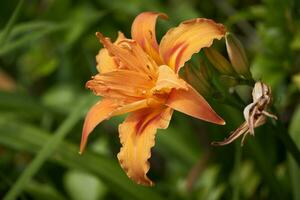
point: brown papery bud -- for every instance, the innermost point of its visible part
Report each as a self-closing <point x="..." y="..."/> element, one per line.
<point x="237" y="55"/>
<point x="219" y="61"/>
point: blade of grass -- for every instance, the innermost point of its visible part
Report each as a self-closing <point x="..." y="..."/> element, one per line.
<point x="11" y="23"/>
<point x="31" y="37"/>
<point x="47" y="150"/>
<point x="25" y="27"/>
<point x="24" y="137"/>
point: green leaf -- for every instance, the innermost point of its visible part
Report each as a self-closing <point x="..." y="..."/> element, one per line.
<point x="43" y="191"/>
<point x="296" y="80"/>
<point x="249" y="179"/>
<point x="25" y="39"/>
<point x="84" y="17"/>
<point x="47" y="150"/>
<point x="267" y="169"/>
<point x="207" y="187"/>
<point x="294" y="131"/>
<point x="30" y="26"/>
<point x="24" y="137"/>
<point x="81" y="185"/>
<point x="59" y="96"/>
<point x="11" y="23"/>
<point x="21" y="103"/>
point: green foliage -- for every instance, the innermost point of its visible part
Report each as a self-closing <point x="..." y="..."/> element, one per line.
<point x="47" y="51"/>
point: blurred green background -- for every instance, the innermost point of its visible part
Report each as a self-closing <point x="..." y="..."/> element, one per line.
<point x="47" y="53"/>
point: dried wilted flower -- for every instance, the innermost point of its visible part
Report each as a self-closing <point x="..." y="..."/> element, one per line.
<point x="255" y="113"/>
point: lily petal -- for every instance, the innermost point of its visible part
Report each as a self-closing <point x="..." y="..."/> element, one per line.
<point x="105" y="62"/>
<point x="167" y="80"/>
<point x="137" y="136"/>
<point x="99" y="112"/>
<point x="143" y="31"/>
<point x="180" y="43"/>
<point x="192" y="103"/>
<point x="249" y="112"/>
<point x="105" y="109"/>
<point x="137" y="105"/>
<point x="129" y="55"/>
<point x="121" y="84"/>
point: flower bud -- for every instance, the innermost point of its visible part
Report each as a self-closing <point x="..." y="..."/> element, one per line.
<point x="198" y="78"/>
<point x="204" y="71"/>
<point x="237" y="55"/>
<point x="218" y="61"/>
<point x="228" y="81"/>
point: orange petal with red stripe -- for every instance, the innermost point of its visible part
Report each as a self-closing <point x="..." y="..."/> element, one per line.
<point x="180" y="43"/>
<point x="105" y="109"/>
<point x="137" y="136"/>
<point x="190" y="102"/>
<point x="100" y="111"/>
<point x="143" y="31"/>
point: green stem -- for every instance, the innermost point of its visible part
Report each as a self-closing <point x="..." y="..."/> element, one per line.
<point x="266" y="169"/>
<point x="46" y="151"/>
<point x="288" y="142"/>
<point x="237" y="167"/>
<point x="249" y="81"/>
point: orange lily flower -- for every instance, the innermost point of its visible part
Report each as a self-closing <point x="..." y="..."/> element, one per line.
<point x="141" y="77"/>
